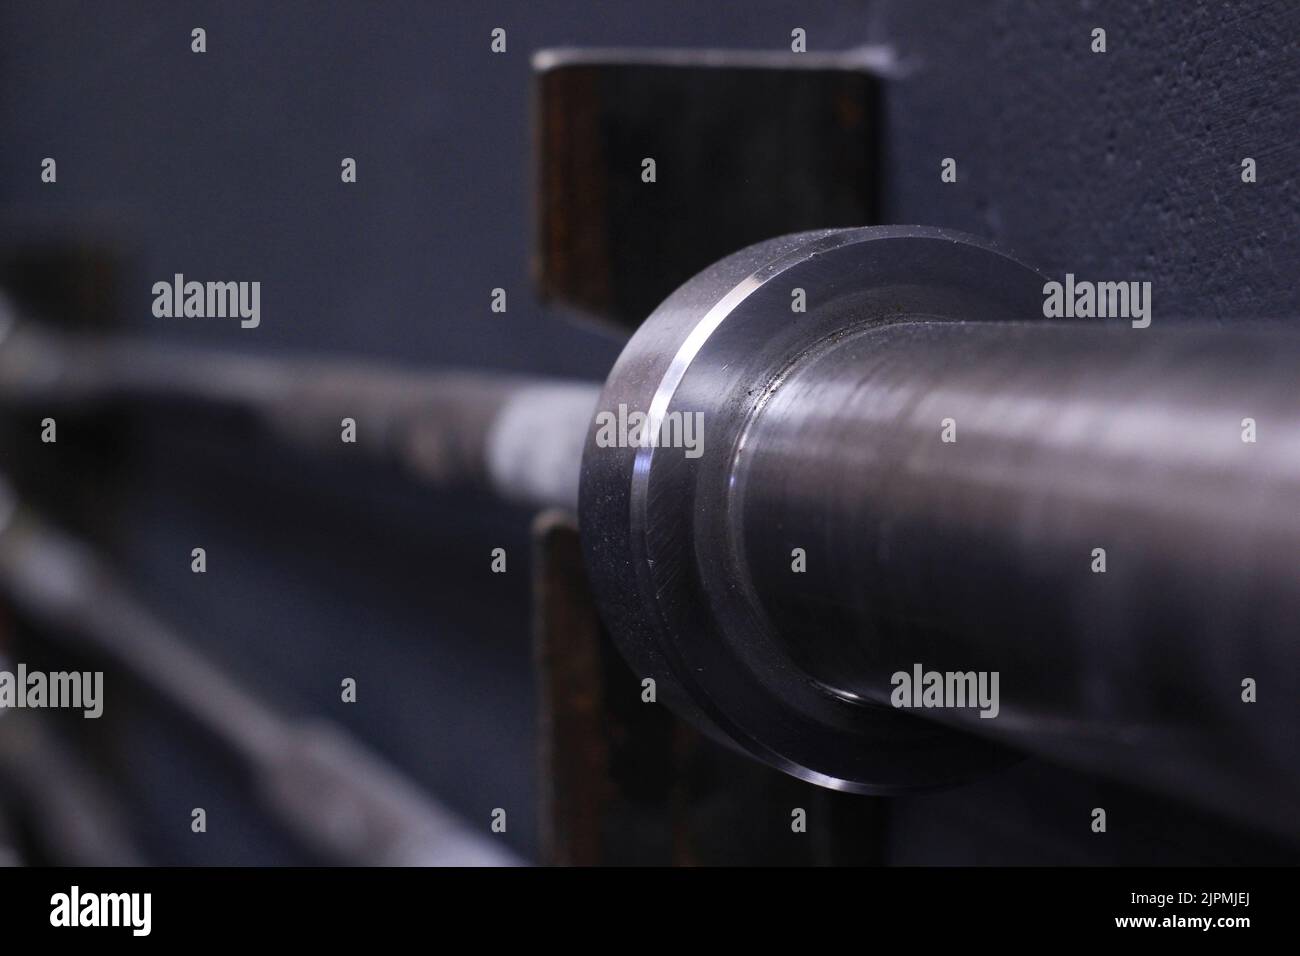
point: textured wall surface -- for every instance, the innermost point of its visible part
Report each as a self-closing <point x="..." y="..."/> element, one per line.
<point x="1123" y="165"/>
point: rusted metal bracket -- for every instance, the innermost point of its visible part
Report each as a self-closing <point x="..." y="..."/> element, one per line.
<point x="745" y="146"/>
<point x="623" y="781"/>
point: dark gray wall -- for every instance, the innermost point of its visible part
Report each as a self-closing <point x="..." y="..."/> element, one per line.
<point x="1123" y="165"/>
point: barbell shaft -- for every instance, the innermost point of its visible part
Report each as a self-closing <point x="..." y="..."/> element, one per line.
<point x="1076" y="449"/>
<point x="923" y="472"/>
<point x="1171" y="454"/>
<point x="516" y="436"/>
